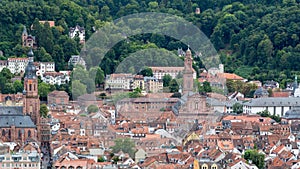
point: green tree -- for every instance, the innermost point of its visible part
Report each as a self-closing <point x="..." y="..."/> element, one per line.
<point x="78" y="89"/>
<point x="266" y="113"/>
<point x="256" y="158"/>
<point x="101" y="159"/>
<point x="44" y="110"/>
<point x="126" y="145"/>
<point x="6" y="73"/>
<point x="43" y="90"/>
<point x="206" y="87"/>
<point x="174" y="87"/>
<point x="146" y="72"/>
<point x="237" y="108"/>
<point x="136" y="93"/>
<point x="92" y="108"/>
<point x="104" y="13"/>
<point x="8" y="88"/>
<point x="58" y="57"/>
<point x="166" y="80"/>
<point x="97" y="74"/>
<point x="18" y="86"/>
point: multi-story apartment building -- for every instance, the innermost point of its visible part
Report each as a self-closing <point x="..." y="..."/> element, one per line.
<point x="17" y="65"/>
<point x="153" y="85"/>
<point x="58" y="78"/>
<point x="174" y="72"/>
<point x="43" y="67"/>
<point x="20" y="160"/>
<point x="119" y="82"/>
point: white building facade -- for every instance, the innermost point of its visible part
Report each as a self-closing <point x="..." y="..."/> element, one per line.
<point x="119" y="81"/>
<point x="21" y="160"/>
<point x="174" y="72"/>
<point x="17" y="65"/>
<point x="77" y="31"/>
<point x="57" y="78"/>
<point x="275" y="105"/>
<point x="43" y="67"/>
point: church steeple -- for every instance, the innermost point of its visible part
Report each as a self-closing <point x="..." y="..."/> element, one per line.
<point x="31" y="100"/>
<point x="24" y="31"/>
<point x="188" y="80"/>
<point x="30" y="71"/>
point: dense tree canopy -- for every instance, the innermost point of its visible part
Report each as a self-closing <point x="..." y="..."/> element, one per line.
<point x="256" y="39"/>
<point x="126" y="145"/>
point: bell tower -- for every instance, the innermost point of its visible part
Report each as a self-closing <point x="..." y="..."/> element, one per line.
<point x="188" y="80"/>
<point x="31" y="101"/>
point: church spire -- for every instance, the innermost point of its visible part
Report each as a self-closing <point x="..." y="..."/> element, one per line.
<point x="24" y="31"/>
<point x="30" y="71"/>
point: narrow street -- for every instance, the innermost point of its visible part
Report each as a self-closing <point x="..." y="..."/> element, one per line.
<point x="46" y="156"/>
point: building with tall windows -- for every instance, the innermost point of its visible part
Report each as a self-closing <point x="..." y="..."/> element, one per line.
<point x="19" y="123"/>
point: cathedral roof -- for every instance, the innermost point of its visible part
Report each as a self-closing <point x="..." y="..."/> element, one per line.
<point x="13" y="116"/>
<point x="19" y="121"/>
<point x="11" y="110"/>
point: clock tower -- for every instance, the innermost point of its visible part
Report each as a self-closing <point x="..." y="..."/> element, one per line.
<point x="31" y="101"/>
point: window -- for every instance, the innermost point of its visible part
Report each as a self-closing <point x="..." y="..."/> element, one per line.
<point x="29" y="133"/>
<point x="20" y="134"/>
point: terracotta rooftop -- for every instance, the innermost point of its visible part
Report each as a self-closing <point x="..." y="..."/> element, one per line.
<point x="17" y="59"/>
<point x="281" y="94"/>
<point x="51" y="23"/>
<point x="230" y="76"/>
<point x="58" y="94"/>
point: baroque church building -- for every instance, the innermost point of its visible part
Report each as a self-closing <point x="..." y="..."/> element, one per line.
<point x="21" y="123"/>
<point x="192" y="107"/>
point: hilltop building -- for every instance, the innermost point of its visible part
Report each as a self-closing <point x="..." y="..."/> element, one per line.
<point x="28" y="40"/>
<point x="79" y="32"/>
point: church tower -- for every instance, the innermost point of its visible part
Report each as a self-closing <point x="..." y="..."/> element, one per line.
<point x="24" y="36"/>
<point x="31" y="102"/>
<point x="188" y="80"/>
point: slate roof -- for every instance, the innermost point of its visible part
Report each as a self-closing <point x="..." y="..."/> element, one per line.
<point x="18" y="121"/>
<point x="13" y="116"/>
<point x="294" y="113"/>
<point x="273" y="101"/>
<point x="11" y="110"/>
<point x="261" y="92"/>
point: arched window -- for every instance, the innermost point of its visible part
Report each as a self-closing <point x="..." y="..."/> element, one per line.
<point x="71" y="167"/>
<point x="3" y="132"/>
<point x="9" y="134"/>
<point x="19" y="134"/>
<point x="29" y="133"/>
<point x="79" y="167"/>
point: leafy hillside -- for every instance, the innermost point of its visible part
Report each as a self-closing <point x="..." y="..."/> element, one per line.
<point x="258" y="39"/>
